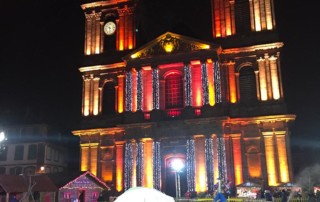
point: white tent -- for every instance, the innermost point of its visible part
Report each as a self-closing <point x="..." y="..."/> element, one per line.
<point x="143" y="194"/>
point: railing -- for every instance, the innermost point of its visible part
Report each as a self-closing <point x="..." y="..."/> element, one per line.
<point x="241" y="200"/>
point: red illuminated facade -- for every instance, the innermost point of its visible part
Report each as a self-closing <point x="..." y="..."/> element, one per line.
<point x="217" y="105"/>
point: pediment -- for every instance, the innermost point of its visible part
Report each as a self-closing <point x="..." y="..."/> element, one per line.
<point x="170" y="44"/>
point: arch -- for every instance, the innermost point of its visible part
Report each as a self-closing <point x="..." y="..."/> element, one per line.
<point x="247" y="84"/>
<point x="254" y="162"/>
<point x="173" y="90"/>
<point x="109" y="97"/>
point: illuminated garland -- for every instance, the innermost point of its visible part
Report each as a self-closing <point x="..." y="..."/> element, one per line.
<point x="140" y="163"/>
<point x="204" y="79"/>
<point x="209" y="163"/>
<point x="156" y="165"/>
<point x="217" y="82"/>
<point x="187" y="86"/>
<point x="128" y="163"/>
<point x="190" y="165"/>
<point x="129" y="91"/>
<point x="221" y="159"/>
<point x="155" y="88"/>
<point x="139" y="90"/>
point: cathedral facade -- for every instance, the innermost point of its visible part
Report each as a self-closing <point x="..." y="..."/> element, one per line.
<point x="217" y="106"/>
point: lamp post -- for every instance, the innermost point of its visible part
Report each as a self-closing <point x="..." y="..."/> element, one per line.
<point x="2" y="139"/>
<point x="177" y="166"/>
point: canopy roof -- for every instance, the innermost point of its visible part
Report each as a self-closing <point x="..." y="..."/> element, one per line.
<point x="249" y="184"/>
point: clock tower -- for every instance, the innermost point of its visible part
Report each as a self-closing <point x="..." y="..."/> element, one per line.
<point x="109" y="25"/>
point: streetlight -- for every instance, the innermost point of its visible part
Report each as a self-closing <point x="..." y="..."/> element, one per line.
<point x="2" y="136"/>
<point x="2" y="139"/>
<point x="177" y="166"/>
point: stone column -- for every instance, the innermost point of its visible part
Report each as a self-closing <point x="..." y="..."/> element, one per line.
<point x="128" y="91"/>
<point x="262" y="80"/>
<point x="187" y="84"/>
<point x="139" y="90"/>
<point x="155" y="87"/>
<point x="274" y="78"/>
<point x="86" y="96"/>
<point x="204" y="79"/>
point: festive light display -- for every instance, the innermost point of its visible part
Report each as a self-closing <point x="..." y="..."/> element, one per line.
<point x="155" y="88"/>
<point x="221" y="159"/>
<point x="204" y="79"/>
<point x="140" y="163"/>
<point x="128" y="162"/>
<point x="156" y="165"/>
<point x="128" y="91"/>
<point x="209" y="164"/>
<point x="190" y="165"/>
<point x="187" y="86"/>
<point x="139" y="90"/>
<point x="217" y="81"/>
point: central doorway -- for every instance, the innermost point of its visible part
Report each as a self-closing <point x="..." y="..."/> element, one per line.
<point x="171" y="183"/>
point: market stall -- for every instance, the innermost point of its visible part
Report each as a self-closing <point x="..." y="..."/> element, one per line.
<point x="249" y="190"/>
<point x="290" y="187"/>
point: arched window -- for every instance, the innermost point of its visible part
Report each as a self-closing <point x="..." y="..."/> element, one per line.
<point x="108" y="98"/>
<point x="173" y="91"/>
<point x="247" y="82"/>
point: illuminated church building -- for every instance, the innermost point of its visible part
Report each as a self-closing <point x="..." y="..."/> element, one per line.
<point x="216" y="105"/>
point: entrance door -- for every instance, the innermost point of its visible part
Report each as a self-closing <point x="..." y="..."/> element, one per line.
<point x="81" y="196"/>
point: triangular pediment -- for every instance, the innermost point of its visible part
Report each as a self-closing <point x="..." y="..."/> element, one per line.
<point x="169" y="44"/>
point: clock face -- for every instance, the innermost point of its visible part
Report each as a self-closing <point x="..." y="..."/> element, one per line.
<point x="109" y="28"/>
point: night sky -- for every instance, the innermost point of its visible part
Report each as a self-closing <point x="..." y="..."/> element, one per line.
<point x="42" y="48"/>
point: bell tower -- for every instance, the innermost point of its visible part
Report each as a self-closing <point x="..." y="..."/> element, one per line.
<point x="109" y="25"/>
<point x="238" y="17"/>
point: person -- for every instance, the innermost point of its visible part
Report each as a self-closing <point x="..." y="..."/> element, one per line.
<point x="220" y="197"/>
<point x="267" y="195"/>
<point x="284" y="197"/>
<point x="13" y="199"/>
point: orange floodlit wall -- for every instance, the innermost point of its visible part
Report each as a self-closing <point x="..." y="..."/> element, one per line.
<point x="93" y="158"/>
<point x="196" y="85"/>
<point x="271" y="164"/>
<point x="120" y="94"/>
<point x="125" y="34"/>
<point x="223" y="22"/>
<point x="211" y="83"/>
<point x="84" y="158"/>
<point x="237" y="159"/>
<point x="86" y="97"/>
<point x="148" y="166"/>
<point x="254" y="163"/>
<point x="257" y="18"/>
<point x="147" y="89"/>
<point x="262" y="14"/>
<point x="119" y="166"/>
<point x="96" y="96"/>
<point x="106" y="165"/>
<point x="200" y="171"/>
<point x="263" y="80"/>
<point x="232" y="84"/>
<point x="274" y="78"/>
<point x="283" y="161"/>
<point x="89" y="154"/>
